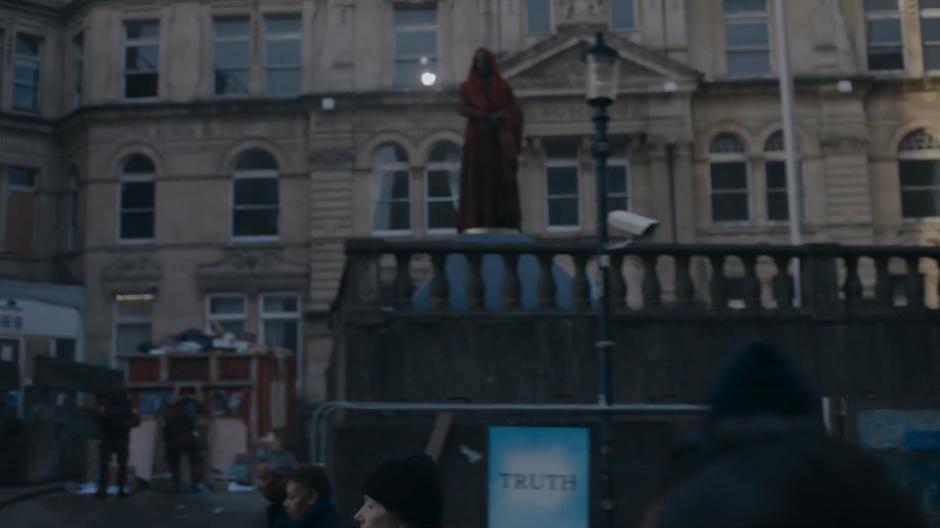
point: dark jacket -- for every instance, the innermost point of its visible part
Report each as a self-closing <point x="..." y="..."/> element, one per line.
<point x="322" y="514"/>
<point x="116" y="418"/>
<point x="276" y="515"/>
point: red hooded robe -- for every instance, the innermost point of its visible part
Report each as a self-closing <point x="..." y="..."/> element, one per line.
<point x="489" y="192"/>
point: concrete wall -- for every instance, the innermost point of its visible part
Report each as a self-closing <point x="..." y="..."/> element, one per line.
<point x="878" y="357"/>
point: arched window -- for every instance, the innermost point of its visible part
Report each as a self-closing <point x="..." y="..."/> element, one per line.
<point x="443" y="186"/>
<point x="71" y="230"/>
<point x="618" y="178"/>
<point x="256" y="196"/>
<point x="391" y="190"/>
<point x="137" y="199"/>
<point x="729" y="179"/>
<point x="919" y="167"/>
<point x="775" y="174"/>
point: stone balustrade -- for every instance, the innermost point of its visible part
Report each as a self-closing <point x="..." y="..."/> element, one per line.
<point x="405" y="276"/>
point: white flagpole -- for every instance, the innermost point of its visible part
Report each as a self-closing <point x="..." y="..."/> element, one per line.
<point x="787" y="101"/>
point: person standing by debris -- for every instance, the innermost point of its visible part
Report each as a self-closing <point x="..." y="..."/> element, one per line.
<point x="180" y="438"/>
<point x="309" y="500"/>
<point x="271" y="475"/>
<point x="116" y="417"/>
<point x="402" y="493"/>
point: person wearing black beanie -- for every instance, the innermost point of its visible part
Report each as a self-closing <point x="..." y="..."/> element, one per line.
<point x="402" y="493"/>
<point x="765" y="461"/>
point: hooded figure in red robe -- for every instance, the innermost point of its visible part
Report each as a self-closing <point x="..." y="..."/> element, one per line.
<point x="489" y="192"/>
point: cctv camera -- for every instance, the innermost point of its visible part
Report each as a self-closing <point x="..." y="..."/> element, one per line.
<point x="631" y="224"/>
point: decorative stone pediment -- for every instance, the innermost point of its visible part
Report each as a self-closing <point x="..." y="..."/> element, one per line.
<point x="554" y="66"/>
<point x="131" y="274"/>
<point x="251" y="271"/>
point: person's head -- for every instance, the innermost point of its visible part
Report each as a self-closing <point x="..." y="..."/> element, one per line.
<point x="306" y="485"/>
<point x="271" y="474"/>
<point x="481" y="63"/>
<point x="402" y="493"/>
<point x="758" y="384"/>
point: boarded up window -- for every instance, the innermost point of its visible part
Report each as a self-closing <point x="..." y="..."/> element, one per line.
<point x="21" y="210"/>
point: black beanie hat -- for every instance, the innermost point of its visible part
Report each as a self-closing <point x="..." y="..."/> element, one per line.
<point x="758" y="381"/>
<point x="410" y="488"/>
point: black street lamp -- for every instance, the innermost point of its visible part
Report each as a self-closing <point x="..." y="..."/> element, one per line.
<point x="602" y="82"/>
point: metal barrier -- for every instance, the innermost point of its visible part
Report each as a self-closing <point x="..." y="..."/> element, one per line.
<point x="319" y="422"/>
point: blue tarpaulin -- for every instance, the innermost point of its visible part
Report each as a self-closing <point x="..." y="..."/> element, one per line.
<point x="493" y="270"/>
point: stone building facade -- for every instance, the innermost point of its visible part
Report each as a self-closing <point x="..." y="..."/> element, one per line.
<point x="189" y="161"/>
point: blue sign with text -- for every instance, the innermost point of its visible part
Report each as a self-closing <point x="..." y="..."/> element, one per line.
<point x="538" y="477"/>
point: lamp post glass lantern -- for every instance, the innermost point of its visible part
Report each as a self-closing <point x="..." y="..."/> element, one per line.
<point x="603" y="70"/>
<point x="601" y="84"/>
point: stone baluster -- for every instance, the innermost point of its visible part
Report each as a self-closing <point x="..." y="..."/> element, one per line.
<point x="511" y="287"/>
<point x="440" y="287"/>
<point x="618" y="286"/>
<point x="580" y="288"/>
<point x="717" y="286"/>
<point x="783" y="283"/>
<point x="546" y="284"/>
<point x="884" y="290"/>
<point x="475" y="287"/>
<point x="751" y="283"/>
<point x="366" y="279"/>
<point x="651" y="288"/>
<point x="853" y="283"/>
<point x="685" y="288"/>
<point x="914" y="284"/>
<point x="819" y="274"/>
<point x="404" y="287"/>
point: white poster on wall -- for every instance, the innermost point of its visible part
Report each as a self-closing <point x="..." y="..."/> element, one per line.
<point x="538" y="477"/>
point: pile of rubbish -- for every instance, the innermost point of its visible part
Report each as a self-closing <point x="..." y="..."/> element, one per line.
<point x="193" y="341"/>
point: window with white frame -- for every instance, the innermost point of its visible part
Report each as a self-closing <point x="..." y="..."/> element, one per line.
<point x="416" y="52"/>
<point x="391" y="192"/>
<point x="930" y="33"/>
<point x="27" y="64"/>
<point x="747" y="45"/>
<point x="563" y="175"/>
<point x="538" y="17"/>
<point x="919" y="169"/>
<point x="280" y="321"/>
<point x="78" y="60"/>
<point x="618" y="178"/>
<point x="282" y="38"/>
<point x="21" y="209"/>
<point x="227" y="312"/>
<point x="231" y="50"/>
<point x="775" y="176"/>
<point x="141" y="59"/>
<point x="256" y="196"/>
<point x="137" y="199"/>
<point x="884" y="35"/>
<point x="133" y="315"/>
<point x="443" y="186"/>
<point x="71" y="233"/>
<point x="729" y="179"/>
<point x="623" y="14"/>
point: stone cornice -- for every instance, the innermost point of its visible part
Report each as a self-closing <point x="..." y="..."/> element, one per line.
<point x="33" y="7"/>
